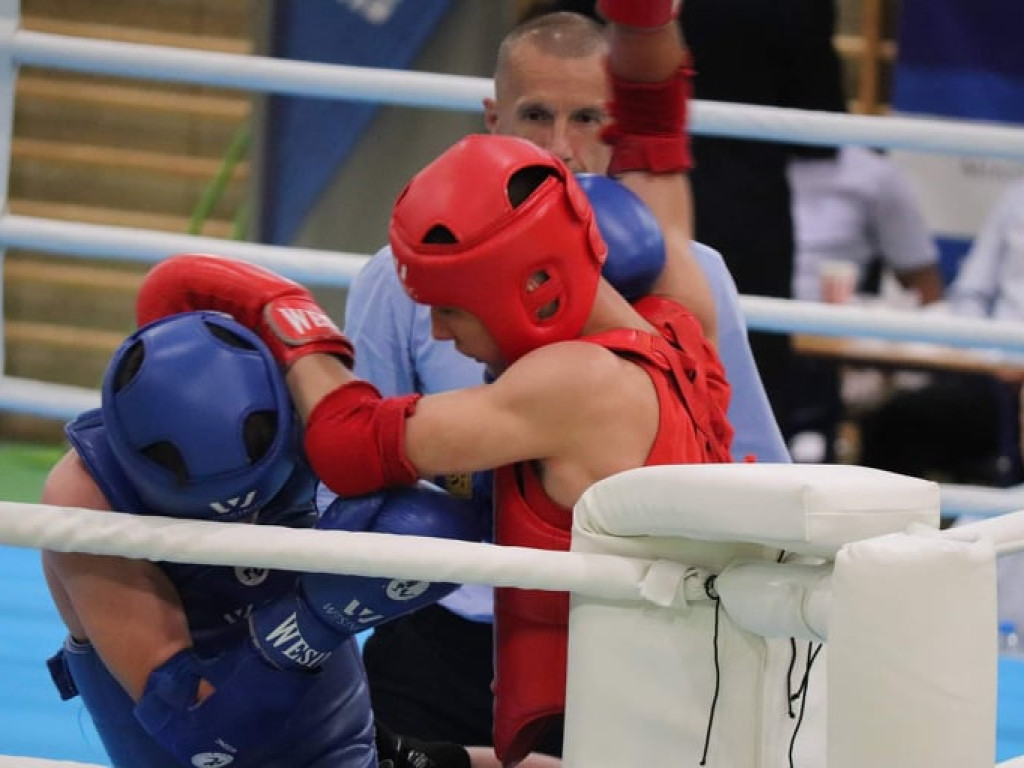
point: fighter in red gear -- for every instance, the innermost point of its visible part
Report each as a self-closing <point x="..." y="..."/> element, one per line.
<point x="496" y="236"/>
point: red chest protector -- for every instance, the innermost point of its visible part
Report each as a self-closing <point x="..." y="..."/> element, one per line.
<point x="531" y="626"/>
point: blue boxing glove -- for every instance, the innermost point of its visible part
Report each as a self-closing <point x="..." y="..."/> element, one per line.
<point x="300" y="630"/>
<point x="636" y="247"/>
<point x="247" y="711"/>
<point x="477" y="487"/>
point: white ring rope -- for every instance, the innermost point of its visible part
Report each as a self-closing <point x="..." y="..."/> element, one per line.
<point x="417" y="89"/>
<point x="262" y="74"/>
<point x="612" y="577"/>
<point x="980" y="501"/>
<point x="892" y="132"/>
<point x="45" y="399"/>
<point x="318" y="267"/>
<point x="69" y="529"/>
<point x="337" y="268"/>
<point x="11" y="761"/>
<point x="790" y="316"/>
<point x="1005" y="531"/>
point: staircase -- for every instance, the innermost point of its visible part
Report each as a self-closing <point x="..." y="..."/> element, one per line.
<point x="105" y="150"/>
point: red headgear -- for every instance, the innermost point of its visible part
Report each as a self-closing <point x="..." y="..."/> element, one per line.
<point x="460" y="241"/>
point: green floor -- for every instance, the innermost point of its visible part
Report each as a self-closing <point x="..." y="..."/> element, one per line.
<point x="23" y="469"/>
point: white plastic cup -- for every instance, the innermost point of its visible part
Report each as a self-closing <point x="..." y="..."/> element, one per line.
<point x="838" y="281"/>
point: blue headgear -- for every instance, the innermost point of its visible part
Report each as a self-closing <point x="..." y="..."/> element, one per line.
<point x="198" y="416"/>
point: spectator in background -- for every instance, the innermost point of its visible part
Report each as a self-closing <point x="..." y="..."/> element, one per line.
<point x="964" y="428"/>
<point x="768" y="52"/>
<point x="990" y="282"/>
<point x="856" y="207"/>
<point x="855" y="210"/>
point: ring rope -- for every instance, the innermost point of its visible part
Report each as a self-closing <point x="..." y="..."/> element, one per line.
<point x="979" y="500"/>
<point x="460" y="92"/>
<point x="1006" y="531"/>
<point x="337" y="268"/>
<point x="45" y="399"/>
<point x="791" y="316"/>
<point x="249" y="72"/>
<point x="13" y="761"/>
<point x="611" y="577"/>
<point x="130" y="244"/>
<point x="70" y="529"/>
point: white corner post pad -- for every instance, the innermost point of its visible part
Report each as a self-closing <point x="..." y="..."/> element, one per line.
<point x="912" y="654"/>
<point x="676" y="652"/>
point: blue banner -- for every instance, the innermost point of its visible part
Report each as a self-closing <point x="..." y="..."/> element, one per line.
<point x="960" y="59"/>
<point x="308" y="139"/>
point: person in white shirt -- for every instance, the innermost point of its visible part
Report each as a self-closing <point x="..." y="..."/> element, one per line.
<point x="963" y="428"/>
<point x="853" y="208"/>
<point x="857" y="207"/>
<point x="990" y="282"/>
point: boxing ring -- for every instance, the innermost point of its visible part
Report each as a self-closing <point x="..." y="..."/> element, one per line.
<point x="661" y="560"/>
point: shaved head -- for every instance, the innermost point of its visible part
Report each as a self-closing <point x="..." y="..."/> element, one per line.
<point x="562" y="34"/>
<point x="550" y="87"/>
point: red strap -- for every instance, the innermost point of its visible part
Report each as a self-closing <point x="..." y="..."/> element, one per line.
<point x="355" y="440"/>
<point x="649" y="132"/>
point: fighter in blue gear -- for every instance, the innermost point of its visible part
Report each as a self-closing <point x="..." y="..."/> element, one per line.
<point x="185" y="664"/>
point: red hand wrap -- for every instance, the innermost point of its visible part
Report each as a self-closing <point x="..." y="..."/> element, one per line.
<point x="649" y="132"/>
<point x="281" y="312"/>
<point x="638" y="13"/>
<point x="355" y="440"/>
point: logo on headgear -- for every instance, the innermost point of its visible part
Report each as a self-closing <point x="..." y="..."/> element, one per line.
<point x="237" y="504"/>
<point x="211" y="760"/>
<point x="216" y="457"/>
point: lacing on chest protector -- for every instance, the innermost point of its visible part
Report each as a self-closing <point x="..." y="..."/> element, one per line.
<point x="686" y="377"/>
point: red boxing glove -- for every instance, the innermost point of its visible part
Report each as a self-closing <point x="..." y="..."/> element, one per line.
<point x="649" y="129"/>
<point x="639" y="13"/>
<point x="281" y="312"/>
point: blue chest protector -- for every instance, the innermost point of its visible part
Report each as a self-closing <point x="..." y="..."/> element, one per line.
<point x="332" y="727"/>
